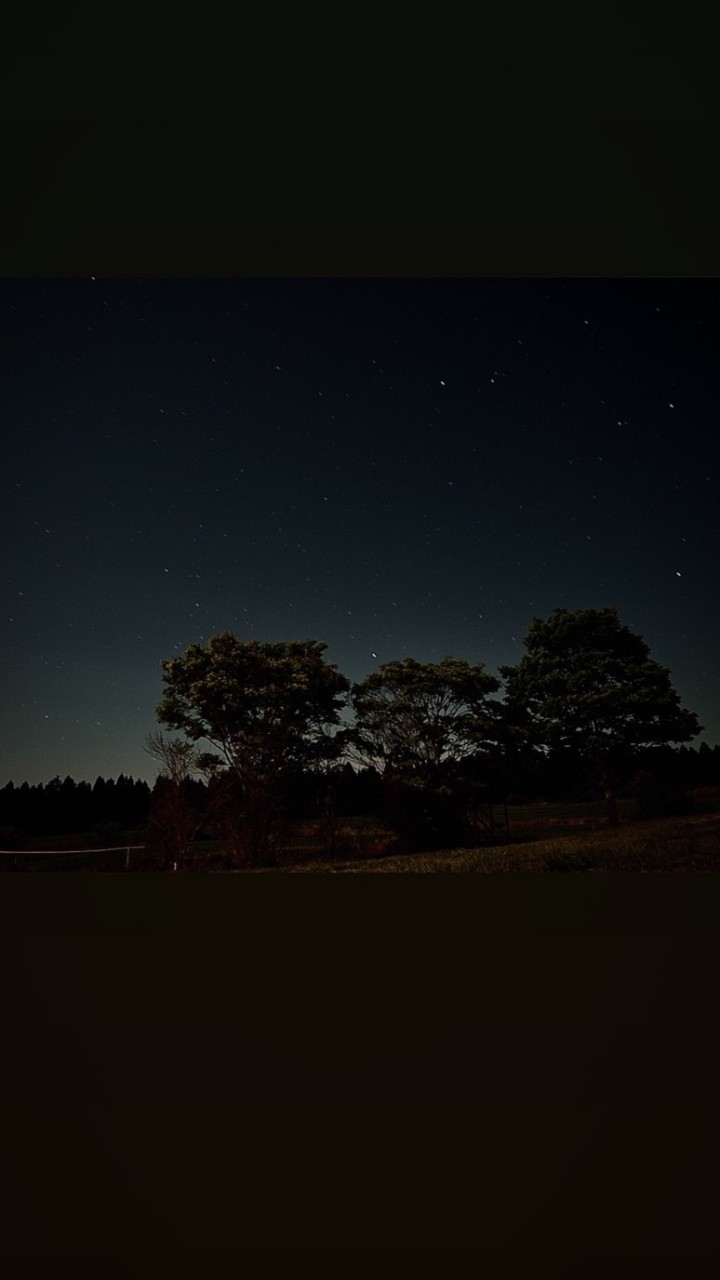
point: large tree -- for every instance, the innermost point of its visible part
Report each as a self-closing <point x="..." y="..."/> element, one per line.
<point x="588" y="684"/>
<point x="413" y="717"/>
<point x="268" y="708"/>
<point x="422" y="725"/>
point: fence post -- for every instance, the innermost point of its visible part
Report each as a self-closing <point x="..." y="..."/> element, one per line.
<point x="127" y="860"/>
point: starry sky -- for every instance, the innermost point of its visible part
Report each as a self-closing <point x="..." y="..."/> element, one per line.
<point x="398" y="467"/>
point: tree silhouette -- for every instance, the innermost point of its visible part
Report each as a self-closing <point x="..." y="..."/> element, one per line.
<point x="588" y="684"/>
<point x="425" y="726"/>
<point x="411" y="718"/>
<point x="178" y="806"/>
<point x="268" y="708"/>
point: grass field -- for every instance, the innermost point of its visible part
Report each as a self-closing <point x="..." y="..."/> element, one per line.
<point x="569" y="838"/>
<point x="680" y="844"/>
<point x="543" y="838"/>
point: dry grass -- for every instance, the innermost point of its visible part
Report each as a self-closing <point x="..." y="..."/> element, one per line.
<point x="689" y="843"/>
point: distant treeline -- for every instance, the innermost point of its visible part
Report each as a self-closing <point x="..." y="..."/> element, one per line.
<point x="559" y="776"/>
<point x="65" y="806"/>
<point x="60" y="807"/>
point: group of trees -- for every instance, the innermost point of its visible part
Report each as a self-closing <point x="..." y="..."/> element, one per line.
<point x="266" y="735"/>
<point x="586" y="694"/>
<point x="59" y="807"/>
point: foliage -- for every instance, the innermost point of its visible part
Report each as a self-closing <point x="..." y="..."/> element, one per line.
<point x="424" y="725"/>
<point x="414" y="717"/>
<point x="587" y="684"/>
<point x="268" y="708"/>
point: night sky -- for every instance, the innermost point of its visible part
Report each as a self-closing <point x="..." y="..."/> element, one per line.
<point x="396" y="467"/>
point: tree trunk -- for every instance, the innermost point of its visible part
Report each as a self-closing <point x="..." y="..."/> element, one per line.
<point x="611" y="802"/>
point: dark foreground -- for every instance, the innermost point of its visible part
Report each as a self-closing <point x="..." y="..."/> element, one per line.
<point x="542" y="838"/>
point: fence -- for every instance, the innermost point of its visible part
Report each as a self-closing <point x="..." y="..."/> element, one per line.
<point x="127" y="849"/>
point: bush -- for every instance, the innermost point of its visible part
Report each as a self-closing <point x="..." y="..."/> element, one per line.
<point x="426" y="819"/>
<point x="656" y="797"/>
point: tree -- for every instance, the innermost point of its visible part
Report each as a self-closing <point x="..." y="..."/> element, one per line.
<point x="177" y="808"/>
<point x="412" y="717"/>
<point x="421" y="725"/>
<point x="588" y="684"/>
<point x="268" y="708"/>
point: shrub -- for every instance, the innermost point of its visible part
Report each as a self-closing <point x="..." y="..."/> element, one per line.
<point x="656" y="797"/>
<point x="426" y="819"/>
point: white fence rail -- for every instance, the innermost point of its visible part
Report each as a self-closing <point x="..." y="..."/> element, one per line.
<point x="115" y="848"/>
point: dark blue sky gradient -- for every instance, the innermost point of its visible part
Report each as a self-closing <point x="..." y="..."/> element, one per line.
<point x="397" y="467"/>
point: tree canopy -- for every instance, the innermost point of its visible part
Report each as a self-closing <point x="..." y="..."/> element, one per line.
<point x="588" y="684"/>
<point x="267" y="707"/>
<point x="424" y="725"/>
<point x="414" y="717"/>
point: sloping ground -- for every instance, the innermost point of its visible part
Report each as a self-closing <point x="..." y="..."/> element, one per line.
<point x="690" y="843"/>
